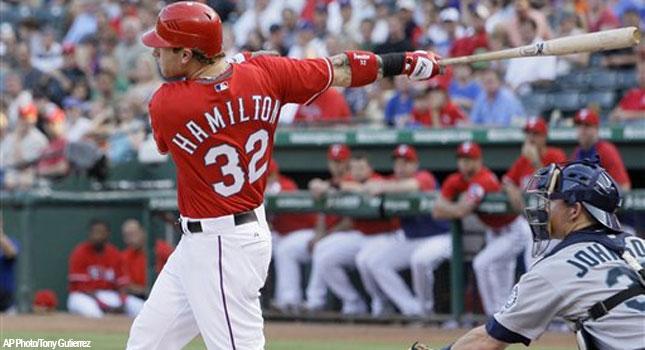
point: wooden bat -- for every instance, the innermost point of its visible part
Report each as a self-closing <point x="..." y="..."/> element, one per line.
<point x="590" y="42"/>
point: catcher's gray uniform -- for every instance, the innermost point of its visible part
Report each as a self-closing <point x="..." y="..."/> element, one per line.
<point x="579" y="272"/>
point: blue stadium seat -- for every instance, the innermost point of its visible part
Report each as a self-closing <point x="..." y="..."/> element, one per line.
<point x="575" y="80"/>
<point x="537" y="102"/>
<point x="568" y="101"/>
<point x="603" y="99"/>
<point x="627" y="79"/>
<point x="604" y="79"/>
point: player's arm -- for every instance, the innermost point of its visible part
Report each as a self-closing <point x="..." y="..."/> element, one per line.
<point x="478" y="339"/>
<point x="358" y="68"/>
<point x="446" y="209"/>
<point x="375" y="187"/>
<point x="514" y="195"/>
<point x="8" y="249"/>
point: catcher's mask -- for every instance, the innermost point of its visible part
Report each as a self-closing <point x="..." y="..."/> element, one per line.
<point x="582" y="181"/>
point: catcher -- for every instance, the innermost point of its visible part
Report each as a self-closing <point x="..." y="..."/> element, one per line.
<point x="592" y="278"/>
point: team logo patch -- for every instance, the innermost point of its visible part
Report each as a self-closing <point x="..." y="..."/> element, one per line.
<point x="512" y="299"/>
<point x="221" y="86"/>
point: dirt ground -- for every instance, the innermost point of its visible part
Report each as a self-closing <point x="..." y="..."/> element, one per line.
<point x="274" y="330"/>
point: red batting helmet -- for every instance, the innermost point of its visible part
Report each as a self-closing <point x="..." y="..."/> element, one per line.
<point x="187" y="24"/>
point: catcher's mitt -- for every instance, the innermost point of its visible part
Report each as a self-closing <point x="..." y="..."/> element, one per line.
<point x="418" y="346"/>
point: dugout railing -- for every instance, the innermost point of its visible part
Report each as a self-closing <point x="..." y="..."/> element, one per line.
<point x="49" y="223"/>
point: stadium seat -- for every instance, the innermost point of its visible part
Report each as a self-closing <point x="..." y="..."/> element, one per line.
<point x="604" y="80"/>
<point x="568" y="101"/>
<point x="604" y="99"/>
<point x="627" y="79"/>
<point x="576" y="80"/>
<point x="537" y="102"/>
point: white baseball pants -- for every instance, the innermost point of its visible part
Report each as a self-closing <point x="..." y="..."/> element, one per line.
<point x="290" y="252"/>
<point x="85" y="305"/>
<point x="384" y="259"/>
<point x="495" y="265"/>
<point x="210" y="285"/>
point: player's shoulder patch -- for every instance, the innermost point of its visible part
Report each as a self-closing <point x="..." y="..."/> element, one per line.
<point x="512" y="298"/>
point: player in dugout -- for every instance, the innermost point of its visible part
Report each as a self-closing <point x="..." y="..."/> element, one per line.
<point x="506" y="234"/>
<point x="535" y="155"/>
<point x="422" y="244"/>
<point x="593" y="278"/>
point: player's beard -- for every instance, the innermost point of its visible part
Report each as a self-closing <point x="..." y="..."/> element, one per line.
<point x="99" y="246"/>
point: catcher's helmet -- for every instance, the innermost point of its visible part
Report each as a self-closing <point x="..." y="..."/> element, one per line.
<point x="582" y="181"/>
<point x="187" y="24"/>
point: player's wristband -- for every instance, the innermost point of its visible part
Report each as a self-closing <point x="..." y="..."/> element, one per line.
<point x="392" y="64"/>
<point x="364" y="66"/>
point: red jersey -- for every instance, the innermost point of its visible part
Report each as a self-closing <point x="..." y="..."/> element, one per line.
<point x="634" y="100"/>
<point x="449" y="115"/>
<point x="220" y="131"/>
<point x="610" y="159"/>
<point x="90" y="270"/>
<point x="135" y="262"/>
<point x="522" y="170"/>
<point x="330" y="106"/>
<point x="284" y="224"/>
<point x="484" y="181"/>
<point x="426" y="180"/>
<point x="375" y="226"/>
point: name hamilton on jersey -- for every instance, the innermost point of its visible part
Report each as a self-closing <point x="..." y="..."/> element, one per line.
<point x="595" y="254"/>
<point x="266" y="109"/>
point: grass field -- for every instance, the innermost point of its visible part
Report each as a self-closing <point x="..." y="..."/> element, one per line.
<point x="111" y="334"/>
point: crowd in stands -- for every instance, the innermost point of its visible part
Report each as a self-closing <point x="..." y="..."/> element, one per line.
<point x="75" y="78"/>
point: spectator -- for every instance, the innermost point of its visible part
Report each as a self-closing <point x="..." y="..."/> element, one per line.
<point x="344" y="21"/>
<point x="340" y="249"/>
<point x="45" y="301"/>
<point x="523" y="12"/>
<point x="628" y="57"/>
<point x="8" y="256"/>
<point x="276" y="41"/>
<point x="21" y="149"/>
<point x="631" y="108"/>
<point x="506" y="235"/>
<point x="382" y="22"/>
<point x="290" y="25"/>
<point x="463" y="88"/>
<point x="495" y="105"/>
<point x="145" y="81"/>
<point x="423" y="244"/>
<point x="319" y="20"/>
<point x="96" y="278"/>
<point x="259" y="16"/>
<point x="338" y="165"/>
<point x="47" y="55"/>
<point x="76" y="122"/>
<point x="599" y="16"/>
<point x="32" y="78"/>
<point x="17" y="97"/>
<point x="53" y="163"/>
<point x="521" y="73"/>
<point x="399" y="107"/>
<point x="444" y="34"/>
<point x="568" y="27"/>
<point x="307" y="46"/>
<point x="291" y="236"/>
<point x="129" y="48"/>
<point x="476" y="40"/>
<point x="366" y="30"/>
<point x="406" y="14"/>
<point x="135" y="264"/>
<point x="591" y="146"/>
<point x="84" y="22"/>
<point x="328" y="108"/>
<point x="397" y="41"/>
<point x="440" y="111"/>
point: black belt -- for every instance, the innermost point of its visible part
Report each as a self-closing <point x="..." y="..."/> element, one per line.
<point x="239" y="219"/>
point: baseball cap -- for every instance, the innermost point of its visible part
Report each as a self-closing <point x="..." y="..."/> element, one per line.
<point x="536" y="125"/>
<point x="587" y="116"/>
<point x="29" y="112"/>
<point x="469" y="149"/>
<point x="55" y="115"/>
<point x="405" y="151"/>
<point x="45" y="298"/>
<point x="344" y="3"/>
<point x="338" y="152"/>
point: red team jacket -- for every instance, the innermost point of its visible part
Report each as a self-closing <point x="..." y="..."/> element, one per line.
<point x="135" y="262"/>
<point x="610" y="159"/>
<point x="484" y="181"/>
<point x="90" y="270"/>
<point x="286" y="223"/>
<point x="375" y="226"/>
<point x="522" y="170"/>
<point x="220" y="132"/>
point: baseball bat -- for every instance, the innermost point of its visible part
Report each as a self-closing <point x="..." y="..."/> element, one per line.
<point x="590" y="42"/>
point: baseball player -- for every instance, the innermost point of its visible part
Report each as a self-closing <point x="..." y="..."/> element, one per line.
<point x="506" y="235"/>
<point x="422" y="244"/>
<point x="593" y="278"/>
<point x="291" y="233"/>
<point x="96" y="279"/>
<point x="535" y="155"/>
<point x="217" y="120"/>
<point x="590" y="145"/>
<point x="338" y="250"/>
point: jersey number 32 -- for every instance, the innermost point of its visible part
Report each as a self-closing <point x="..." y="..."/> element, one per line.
<point x="232" y="166"/>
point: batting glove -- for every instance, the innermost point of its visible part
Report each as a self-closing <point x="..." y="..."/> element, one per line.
<point x="421" y="65"/>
